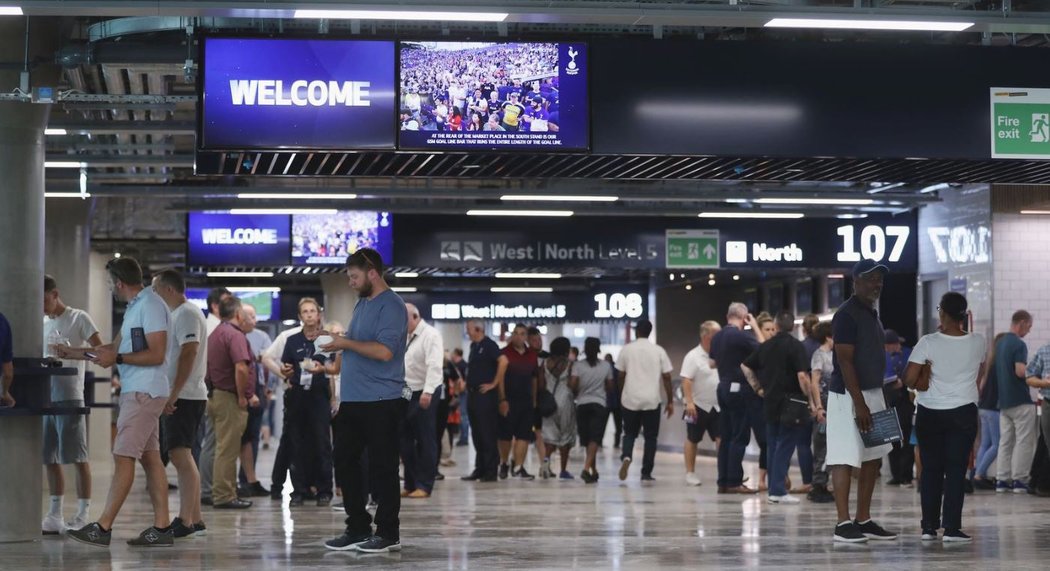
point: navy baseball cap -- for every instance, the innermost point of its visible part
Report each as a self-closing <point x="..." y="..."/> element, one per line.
<point x="892" y="337"/>
<point x="866" y="266"/>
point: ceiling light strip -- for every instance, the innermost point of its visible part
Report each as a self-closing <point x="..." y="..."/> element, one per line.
<point x="872" y="24"/>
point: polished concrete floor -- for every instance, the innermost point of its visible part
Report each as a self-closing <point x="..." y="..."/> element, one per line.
<point x="567" y="525"/>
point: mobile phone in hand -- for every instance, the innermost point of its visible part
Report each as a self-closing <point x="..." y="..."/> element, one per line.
<point x="90" y="355"/>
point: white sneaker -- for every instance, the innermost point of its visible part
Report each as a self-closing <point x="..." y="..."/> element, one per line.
<point x="53" y="525"/>
<point x="784" y="500"/>
<point x="692" y="479"/>
<point x="78" y="522"/>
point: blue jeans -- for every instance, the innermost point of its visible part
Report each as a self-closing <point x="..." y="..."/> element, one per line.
<point x="464" y="422"/>
<point x="781" y="442"/>
<point x="989" y="448"/>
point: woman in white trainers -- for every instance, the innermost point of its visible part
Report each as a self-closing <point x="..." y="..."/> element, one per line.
<point x="946" y="421"/>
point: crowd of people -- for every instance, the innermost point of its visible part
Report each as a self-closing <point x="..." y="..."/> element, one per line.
<point x="333" y="237"/>
<point x="358" y="404"/>
<point x="511" y="87"/>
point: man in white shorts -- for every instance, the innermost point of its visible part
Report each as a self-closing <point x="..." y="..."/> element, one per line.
<point x="855" y="393"/>
<point x="65" y="436"/>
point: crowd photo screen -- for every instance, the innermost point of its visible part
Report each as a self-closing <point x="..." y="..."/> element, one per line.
<point x="509" y="96"/>
<point x="324" y="239"/>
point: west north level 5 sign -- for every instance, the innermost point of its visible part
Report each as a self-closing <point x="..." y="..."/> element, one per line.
<point x="1020" y="123"/>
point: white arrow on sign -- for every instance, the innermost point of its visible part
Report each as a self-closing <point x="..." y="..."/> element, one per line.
<point x="710" y="251"/>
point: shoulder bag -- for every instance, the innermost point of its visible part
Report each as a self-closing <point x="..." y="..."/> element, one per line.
<point x="794" y="411"/>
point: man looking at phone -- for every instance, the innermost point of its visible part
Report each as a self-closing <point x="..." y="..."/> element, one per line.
<point x="855" y="393"/>
<point x="139" y="352"/>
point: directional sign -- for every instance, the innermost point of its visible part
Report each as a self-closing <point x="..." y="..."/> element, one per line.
<point x="1020" y="123"/>
<point x="692" y="249"/>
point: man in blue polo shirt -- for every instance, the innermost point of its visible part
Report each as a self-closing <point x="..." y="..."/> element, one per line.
<point x="855" y="393"/>
<point x="729" y="348"/>
<point x="372" y="390"/>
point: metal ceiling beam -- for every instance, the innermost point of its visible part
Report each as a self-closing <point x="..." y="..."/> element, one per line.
<point x="117" y="127"/>
<point x="102" y="161"/>
<point x="665" y="13"/>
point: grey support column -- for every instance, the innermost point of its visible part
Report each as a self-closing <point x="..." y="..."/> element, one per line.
<point x="22" y="267"/>
<point x="67" y="249"/>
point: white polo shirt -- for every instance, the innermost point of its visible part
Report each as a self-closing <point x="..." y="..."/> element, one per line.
<point x="644" y="363"/>
<point x="697" y="368"/>
<point x="424" y="359"/>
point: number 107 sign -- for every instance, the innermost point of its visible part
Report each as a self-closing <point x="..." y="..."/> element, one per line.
<point x="882" y="244"/>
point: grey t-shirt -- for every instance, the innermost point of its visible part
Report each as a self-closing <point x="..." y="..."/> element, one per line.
<point x="592" y="381"/>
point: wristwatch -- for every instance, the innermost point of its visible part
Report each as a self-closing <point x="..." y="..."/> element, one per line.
<point x="120" y="359"/>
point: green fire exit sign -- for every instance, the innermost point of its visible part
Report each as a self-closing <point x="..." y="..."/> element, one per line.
<point x="692" y="249"/>
<point x="1020" y="123"/>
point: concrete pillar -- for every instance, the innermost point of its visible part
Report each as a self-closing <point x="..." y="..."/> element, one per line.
<point x="22" y="266"/>
<point x="67" y="248"/>
<point x="452" y="335"/>
<point x="99" y="305"/>
<point x="339" y="299"/>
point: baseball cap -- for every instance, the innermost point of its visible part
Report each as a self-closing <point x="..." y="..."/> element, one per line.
<point x="537" y="99"/>
<point x="867" y="266"/>
<point x="893" y="338"/>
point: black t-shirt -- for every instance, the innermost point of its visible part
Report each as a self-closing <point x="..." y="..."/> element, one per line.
<point x="989" y="399"/>
<point x="777" y="363"/>
<point x="296" y="349"/>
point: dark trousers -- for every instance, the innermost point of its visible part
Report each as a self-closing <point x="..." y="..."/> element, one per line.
<point x="282" y="462"/>
<point x="483" y="410"/>
<point x="374" y="427"/>
<point x="251" y="436"/>
<point x="617" y="415"/>
<point x="648" y="423"/>
<point x="441" y="422"/>
<point x="945" y="441"/>
<point x="735" y="429"/>
<point x="311" y="441"/>
<point x="418" y="445"/>
<point x="756" y="418"/>
<point x="902" y="457"/>
<point x="781" y="442"/>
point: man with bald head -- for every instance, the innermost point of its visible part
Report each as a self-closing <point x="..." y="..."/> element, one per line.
<point x="424" y="362"/>
<point x="483" y="402"/>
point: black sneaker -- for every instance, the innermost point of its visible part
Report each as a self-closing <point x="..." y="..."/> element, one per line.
<point x="983" y="484"/>
<point x="472" y="477"/>
<point x="347" y="541"/>
<point x="895" y="482"/>
<point x="296" y="501"/>
<point x="648" y="478"/>
<point x="956" y="536"/>
<point x="153" y="537"/>
<point x="276" y="494"/>
<point x="968" y="487"/>
<point x="820" y="495"/>
<point x="237" y="504"/>
<point x="504" y="471"/>
<point x="376" y="544"/>
<point x="521" y="474"/>
<point x="324" y="500"/>
<point x="338" y="507"/>
<point x="180" y="530"/>
<point x="257" y="490"/>
<point x="91" y="534"/>
<point x="200" y="528"/>
<point x="587" y="477"/>
<point x="849" y="532"/>
<point x="872" y="530"/>
<point x="929" y="535"/>
<point x="439" y="476"/>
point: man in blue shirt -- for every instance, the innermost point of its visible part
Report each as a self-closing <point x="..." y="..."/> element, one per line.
<point x="729" y="348"/>
<point x="1018" y="434"/>
<point x="483" y="402"/>
<point x="370" y="417"/>
<point x="7" y="366"/>
<point x="140" y="352"/>
<point x="902" y="457"/>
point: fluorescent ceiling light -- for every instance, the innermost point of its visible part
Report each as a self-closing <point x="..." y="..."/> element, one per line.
<point x="559" y="198"/>
<point x="818" y="201"/>
<point x="406" y="275"/>
<point x="402" y="15"/>
<point x="240" y="274"/>
<point x="736" y="200"/>
<point x="835" y="276"/>
<point x="55" y="132"/>
<point x="521" y="289"/>
<point x="64" y="164"/>
<point x="67" y="195"/>
<point x="851" y="216"/>
<point x="405" y="289"/>
<point x="294" y="196"/>
<point x="10" y="11"/>
<point x="508" y="276"/>
<point x="1036" y="212"/>
<point x="751" y="215"/>
<point x="551" y="213"/>
<point x="845" y="24"/>
<point x="283" y="211"/>
<point x="255" y="289"/>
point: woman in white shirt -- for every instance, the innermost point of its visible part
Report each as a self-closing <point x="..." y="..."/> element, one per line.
<point x="946" y="421"/>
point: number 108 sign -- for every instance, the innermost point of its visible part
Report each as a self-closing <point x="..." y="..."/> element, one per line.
<point x="882" y="244"/>
<point x="618" y="306"/>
